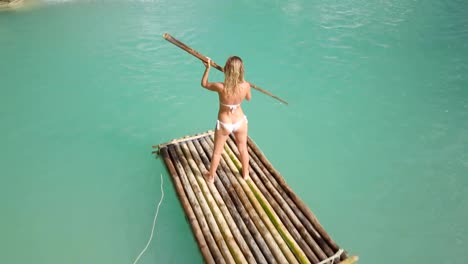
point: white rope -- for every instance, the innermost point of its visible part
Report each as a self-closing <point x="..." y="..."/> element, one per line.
<point x="332" y="258"/>
<point x="154" y="223"/>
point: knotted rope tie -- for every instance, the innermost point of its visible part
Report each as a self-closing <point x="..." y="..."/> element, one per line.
<point x="332" y="258"/>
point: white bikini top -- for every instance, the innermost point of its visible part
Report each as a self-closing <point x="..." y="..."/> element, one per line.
<point x="232" y="108"/>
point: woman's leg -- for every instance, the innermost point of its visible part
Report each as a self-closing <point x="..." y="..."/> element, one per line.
<point x="220" y="138"/>
<point x="241" y="140"/>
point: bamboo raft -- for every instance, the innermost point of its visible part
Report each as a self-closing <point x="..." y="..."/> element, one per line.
<point x="258" y="220"/>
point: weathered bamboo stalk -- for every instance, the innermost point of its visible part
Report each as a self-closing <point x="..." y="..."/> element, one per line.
<point x="284" y="218"/>
<point x="283" y="209"/>
<point x="231" y="233"/>
<point x="287" y="214"/>
<point x="184" y="139"/>
<point x="255" y="215"/>
<point x="241" y="233"/>
<point x="317" y="243"/>
<point x="281" y="237"/>
<point x="197" y="231"/>
<point x="305" y="210"/>
<point x="215" y="239"/>
<point x="280" y="207"/>
<point x="217" y="226"/>
<point x="286" y="241"/>
<point x="350" y="260"/>
<point x="310" y="229"/>
<point x="317" y="237"/>
<point x="259" y="247"/>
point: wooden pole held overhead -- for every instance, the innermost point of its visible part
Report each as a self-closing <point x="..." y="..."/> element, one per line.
<point x="214" y="64"/>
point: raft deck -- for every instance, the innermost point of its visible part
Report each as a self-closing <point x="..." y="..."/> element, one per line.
<point x="258" y="220"/>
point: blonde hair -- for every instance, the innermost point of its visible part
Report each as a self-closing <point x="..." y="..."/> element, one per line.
<point x="233" y="75"/>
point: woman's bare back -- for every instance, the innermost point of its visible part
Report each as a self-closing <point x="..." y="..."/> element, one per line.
<point x="230" y="110"/>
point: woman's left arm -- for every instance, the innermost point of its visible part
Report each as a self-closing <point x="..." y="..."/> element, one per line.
<point x="248" y="94"/>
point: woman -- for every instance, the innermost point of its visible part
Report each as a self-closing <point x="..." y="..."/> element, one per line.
<point x="231" y="118"/>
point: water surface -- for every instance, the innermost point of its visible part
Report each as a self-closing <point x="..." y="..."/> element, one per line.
<point x="374" y="139"/>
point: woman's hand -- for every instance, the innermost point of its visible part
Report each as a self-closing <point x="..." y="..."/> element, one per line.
<point x="216" y="87"/>
<point x="208" y="63"/>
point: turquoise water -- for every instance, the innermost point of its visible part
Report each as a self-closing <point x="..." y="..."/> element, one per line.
<point x="374" y="140"/>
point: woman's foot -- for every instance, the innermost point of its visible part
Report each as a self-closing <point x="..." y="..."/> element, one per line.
<point x="209" y="178"/>
<point x="246" y="176"/>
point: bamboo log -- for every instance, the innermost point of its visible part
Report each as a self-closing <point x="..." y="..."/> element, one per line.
<point x="214" y="239"/>
<point x="245" y="240"/>
<point x="225" y="241"/>
<point x="288" y="225"/>
<point x="318" y="243"/>
<point x="305" y="210"/>
<point x="286" y="214"/>
<point x="276" y="222"/>
<point x="197" y="231"/>
<point x="310" y="229"/>
<point x="205" y="59"/>
<point x="286" y="241"/>
<point x="350" y="260"/>
<point x="231" y="233"/>
<point x="281" y="208"/>
<point x="232" y="199"/>
<point x="256" y="217"/>
<point x="184" y="139"/>
<point x="282" y="238"/>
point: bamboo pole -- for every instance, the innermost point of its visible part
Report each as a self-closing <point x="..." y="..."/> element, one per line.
<point x="245" y="240"/>
<point x="350" y="260"/>
<point x="231" y="233"/>
<point x="292" y="218"/>
<point x="290" y="221"/>
<point x="300" y="204"/>
<point x="225" y="241"/>
<point x="196" y="229"/>
<point x="285" y="240"/>
<point x="214" y="239"/>
<point x="313" y="238"/>
<point x="282" y="237"/>
<point x="283" y="217"/>
<point x="289" y="215"/>
<point x="237" y="206"/>
<point x="184" y="139"/>
<point x="297" y="212"/>
<point x="256" y="216"/>
<point x="276" y="222"/>
<point x="205" y="59"/>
